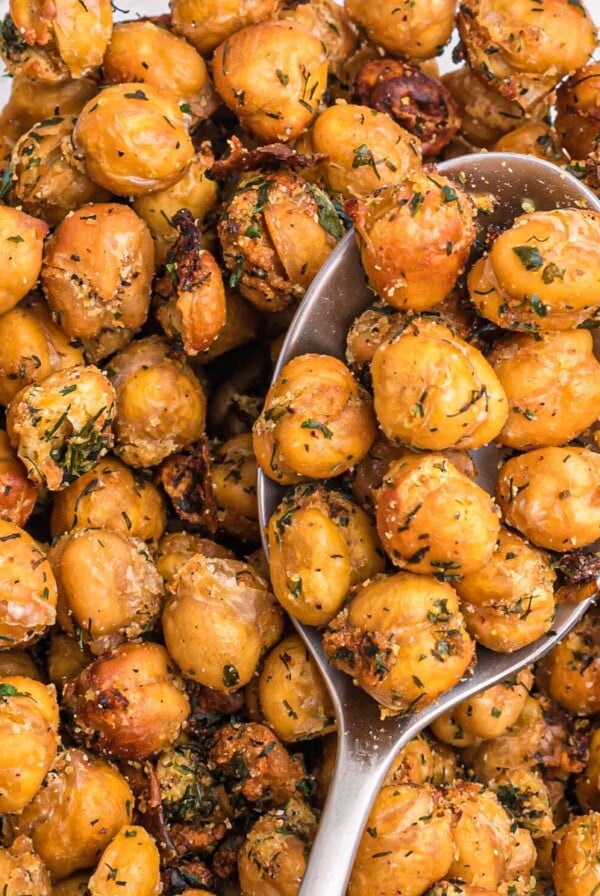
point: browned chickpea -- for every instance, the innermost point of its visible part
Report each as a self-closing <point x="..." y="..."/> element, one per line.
<point x="74" y="885"/>
<point x="233" y="473"/>
<point x="80" y="807"/>
<point x="570" y="673"/>
<point x="532" y="138"/>
<point x="62" y="425"/>
<point x="551" y="496"/>
<point x="111" y="496"/>
<point x="16" y="661"/>
<point x="576" y="869"/>
<point x="97" y="270"/>
<point x="175" y="548"/>
<point x="21" y="239"/>
<point x="587" y="786"/>
<point x="241" y="326"/>
<point x="32" y="101"/>
<point x="218" y="620"/>
<point x="407" y="844"/>
<point x="317" y="421"/>
<point x="27" y="587"/>
<point x="320" y="545"/>
<point x="414" y="238"/>
<point x="160" y="403"/>
<point x="578" y="111"/>
<point x="22" y="870"/>
<point x="394" y="625"/>
<point x="433" y="519"/>
<point x="327" y="20"/>
<point x="206" y="23"/>
<point x="133" y="139"/>
<point x="29" y="733"/>
<point x="272" y="75"/>
<point x="129" y="702"/>
<point x="66" y="658"/>
<point x="521" y="746"/>
<point x="17" y="493"/>
<point x="413" y="764"/>
<point x="413" y="30"/>
<point x="129" y="866"/>
<point x="109" y="590"/>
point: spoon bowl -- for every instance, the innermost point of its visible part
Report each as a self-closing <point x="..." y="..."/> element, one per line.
<point x="367" y="745"/>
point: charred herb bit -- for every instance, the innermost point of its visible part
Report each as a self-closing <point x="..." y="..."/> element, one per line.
<point x="538" y="306"/>
<point x="136" y="95"/>
<point x="290" y="711"/>
<point x="5" y="182"/>
<point x="231" y="676"/>
<point x="416" y="200"/>
<point x="418" y="409"/>
<point x="236" y="274"/>
<point x="529" y="256"/>
<point x="82" y="449"/>
<point x="309" y="423"/>
<point x="17" y="238"/>
<point x="9" y="690"/>
<point x="282" y="77"/>
<point x="364" y="157"/>
<point x="448" y="194"/>
<point x="552" y="272"/>
<point x="514" y="490"/>
<point x="526" y="412"/>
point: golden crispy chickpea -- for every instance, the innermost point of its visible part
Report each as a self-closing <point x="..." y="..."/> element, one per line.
<point x="32" y="101"/>
<point x="275" y="233"/>
<point x="365" y="149"/>
<point x="129" y="866"/>
<point x="206" y="23"/>
<point x="407" y="844"/>
<point x="97" y="270"/>
<point x="419" y="490"/>
<point x="272" y="75"/>
<point x="133" y="139"/>
<point x="523" y="64"/>
<point x="109" y="590"/>
<point x="80" y="807"/>
<point x="21" y="242"/>
<point x="542" y="273"/>
<point x="175" y="548"/>
<point x="434" y="390"/>
<point x="551" y="496"/>
<point x="414" y="238"/>
<point x="578" y="111"/>
<point x="587" y="786"/>
<point x="570" y="673"/>
<point x="413" y="30"/>
<point x="18" y="494"/>
<point x="111" y="496"/>
<point x="27" y="587"/>
<point x="317" y="421"/>
<point x="29" y="732"/>
<point x="413" y="764"/>
<point x="485" y="115"/>
<point x="62" y="425"/>
<point x="22" y="871"/>
<point x="293" y="698"/>
<point x="218" y="620"/>
<point x="395" y="625"/>
<point x="320" y="545"/>
<point x="524" y="793"/>
<point x="233" y="473"/>
<point x="532" y="138"/>
<point x="241" y="326"/>
<point x="66" y="658"/>
<point x="521" y="746"/>
<point x="160" y="403"/>
<point x="576" y="869"/>
<point x="129" y="702"/>
<point x="74" y="885"/>
<point x="328" y="21"/>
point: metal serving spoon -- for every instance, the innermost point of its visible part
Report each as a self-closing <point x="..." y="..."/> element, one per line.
<point x="366" y="744"/>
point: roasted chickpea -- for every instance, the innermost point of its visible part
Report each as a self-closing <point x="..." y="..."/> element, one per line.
<point x="419" y="490"/>
<point x="365" y="149"/>
<point x="532" y="138"/>
<point x="414" y="238"/>
<point x="29" y="732"/>
<point x="587" y="786"/>
<point x="317" y="421"/>
<point x="453" y="888"/>
<point x="414" y="30"/>
<point x="75" y="885"/>
<point x="62" y="425"/>
<point x="17" y="493"/>
<point x="233" y="474"/>
<point x="97" y="270"/>
<point x="160" y="403"/>
<point x="133" y="139"/>
<point x="22" y="870"/>
<point x="570" y="673"/>
<point x="413" y="764"/>
<point x="129" y="866"/>
<point x="109" y="590"/>
<point x="16" y="661"/>
<point x="407" y="844"/>
<point x="129" y="702"/>
<point x="175" y="548"/>
<point x="524" y="793"/>
<point x="275" y="233"/>
<point x="551" y="496"/>
<point x="66" y="658"/>
<point x="485" y="115"/>
<point x="32" y="101"/>
<point x="542" y="273"/>
<point x="80" y="807"/>
<point x="21" y="239"/>
<point x="576" y="870"/>
<point x="27" y="588"/>
<point x="328" y="21"/>
<point x="206" y="23"/>
<point x="578" y="111"/>
<point x="320" y="545"/>
<point x="272" y="75"/>
<point x="395" y="625"/>
<point x="241" y="326"/>
<point x="218" y="621"/>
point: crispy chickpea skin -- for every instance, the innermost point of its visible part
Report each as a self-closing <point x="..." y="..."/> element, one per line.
<point x="27" y="589"/>
<point x="133" y="140"/>
<point x="542" y="273"/>
<point x="80" y="807"/>
<point x="587" y="786"/>
<point x="275" y="233"/>
<point x="570" y="673"/>
<point x="293" y="698"/>
<point x="22" y="870"/>
<point x="576" y="869"/>
<point x="434" y="390"/>
<point x="365" y="149"/>
<point x="552" y="495"/>
<point x="218" y="620"/>
<point x="206" y="23"/>
<point x="414" y="238"/>
<point x="402" y="638"/>
<point x="109" y="590"/>
<point x="129" y="702"/>
<point x="316" y="422"/>
<point x="160" y="403"/>
<point x="129" y="866"/>
<point x="433" y="519"/>
<point x="18" y="494"/>
<point x="272" y="75"/>
<point x="524" y="63"/>
<point x="320" y="545"/>
<point x="407" y="844"/>
<point x="578" y="111"/>
<point x="175" y="548"/>
<point x="21" y="246"/>
<point x="413" y="30"/>
<point x="233" y="473"/>
<point x="61" y="426"/>
<point x="29" y="732"/>
<point x="97" y="270"/>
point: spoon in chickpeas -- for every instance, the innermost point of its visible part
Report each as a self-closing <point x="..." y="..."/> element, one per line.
<point x="456" y="435"/>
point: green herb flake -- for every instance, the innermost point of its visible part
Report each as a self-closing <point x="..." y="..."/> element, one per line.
<point x="448" y="194"/>
<point x="364" y="157"/>
<point x="136" y="95"/>
<point x="537" y="306"/>
<point x="309" y="423"/>
<point x="9" y="690"/>
<point x="231" y="676"/>
<point x="17" y="238"/>
<point x="529" y="256"/>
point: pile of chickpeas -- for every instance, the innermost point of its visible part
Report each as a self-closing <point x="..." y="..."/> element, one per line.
<point x="169" y="188"/>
